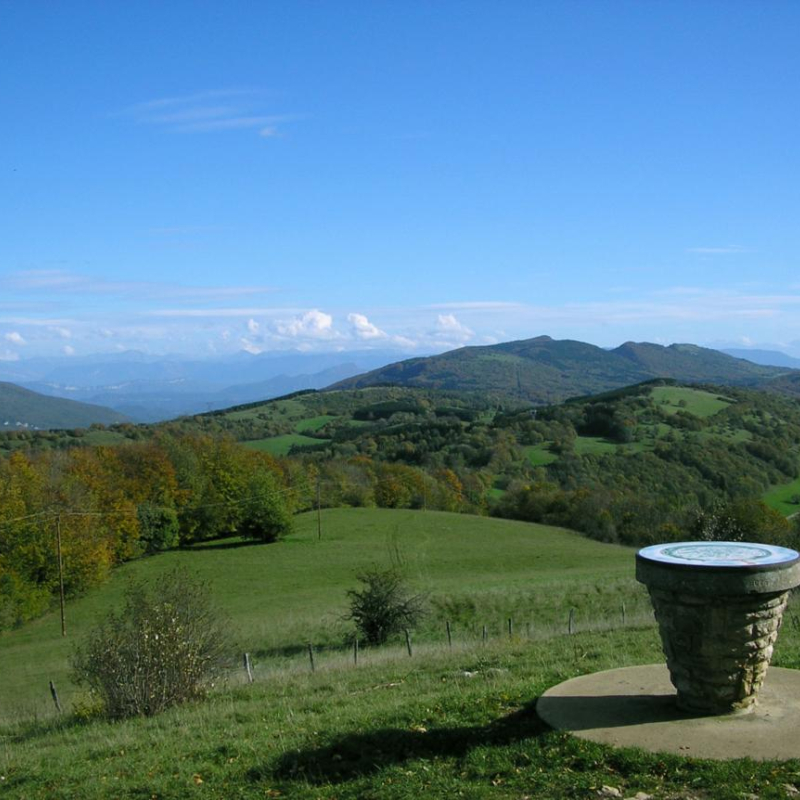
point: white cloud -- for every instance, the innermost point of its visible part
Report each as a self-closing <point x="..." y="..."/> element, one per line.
<point x="7" y="355"/>
<point x="64" y="282"/>
<point x="64" y="333"/>
<point x="250" y="347"/>
<point x="252" y="326"/>
<point x="449" y="328"/>
<point x="717" y="251"/>
<point x="206" y="112"/>
<point x="15" y="338"/>
<point x="363" y="328"/>
<point x="478" y="305"/>
<point x="68" y="350"/>
<point x="212" y="313"/>
<point x="313" y="324"/>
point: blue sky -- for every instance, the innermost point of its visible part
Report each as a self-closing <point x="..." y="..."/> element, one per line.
<point x="202" y="177"/>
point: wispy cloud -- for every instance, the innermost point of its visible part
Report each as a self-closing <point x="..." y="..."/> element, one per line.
<point x="63" y="282"/>
<point x="206" y="112"/>
<point x="730" y="249"/>
<point x="477" y="305"/>
<point x="219" y="313"/>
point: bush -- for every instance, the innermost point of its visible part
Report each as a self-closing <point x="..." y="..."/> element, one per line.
<point x="159" y="527"/>
<point x="164" y="647"/>
<point x="266" y="516"/>
<point x="383" y="607"/>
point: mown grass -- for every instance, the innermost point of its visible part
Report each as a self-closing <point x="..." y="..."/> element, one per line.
<point x="539" y="455"/>
<point x="594" y="445"/>
<point x="107" y="438"/>
<point x="477" y="571"/>
<point x="443" y="724"/>
<point x="780" y="497"/>
<point x="281" y="445"/>
<point x="313" y="423"/>
<point x="694" y="401"/>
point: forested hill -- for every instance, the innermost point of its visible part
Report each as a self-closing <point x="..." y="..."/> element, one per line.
<point x="544" y="370"/>
<point x="23" y="409"/>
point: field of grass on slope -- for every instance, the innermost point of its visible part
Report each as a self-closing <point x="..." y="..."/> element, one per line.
<point x="281" y="445"/>
<point x="478" y="571"/>
<point x="694" y="401"/>
<point x="785" y="498"/>
<point x="443" y="724"/>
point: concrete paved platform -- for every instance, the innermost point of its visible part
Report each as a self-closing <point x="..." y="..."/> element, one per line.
<point x="635" y="707"/>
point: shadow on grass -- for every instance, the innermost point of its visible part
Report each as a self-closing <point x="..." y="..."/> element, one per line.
<point x="31" y="730"/>
<point x="359" y="754"/>
<point x="225" y="544"/>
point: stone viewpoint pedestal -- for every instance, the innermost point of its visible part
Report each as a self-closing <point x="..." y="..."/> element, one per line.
<point x="719" y="607"/>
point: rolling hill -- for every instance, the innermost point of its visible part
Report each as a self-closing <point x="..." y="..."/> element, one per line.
<point x="22" y="409"/>
<point x="544" y="370"/>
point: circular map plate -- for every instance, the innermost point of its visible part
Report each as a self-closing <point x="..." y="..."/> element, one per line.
<point x="719" y="554"/>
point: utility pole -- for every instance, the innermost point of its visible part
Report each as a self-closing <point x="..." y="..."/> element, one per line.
<point x="319" y="511"/>
<point x="60" y="574"/>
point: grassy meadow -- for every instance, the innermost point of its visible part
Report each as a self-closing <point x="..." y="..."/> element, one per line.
<point x="281" y="445"/>
<point x="450" y="721"/>
<point x="783" y="498"/>
<point x="446" y="723"/>
<point x="477" y="571"/>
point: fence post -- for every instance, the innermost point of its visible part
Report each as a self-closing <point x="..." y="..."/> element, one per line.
<point x="311" y="655"/>
<point x="510" y="627"/>
<point x="54" y="695"/>
<point x="571" y="623"/>
<point x="355" y="651"/>
<point x="248" y="667"/>
<point x="408" y="643"/>
<point x="484" y="635"/>
<point x="449" y="635"/>
<point x="623" y="614"/>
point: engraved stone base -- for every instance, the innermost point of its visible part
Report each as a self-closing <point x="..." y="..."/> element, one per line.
<point x="718" y="649"/>
<point x="719" y="607"/>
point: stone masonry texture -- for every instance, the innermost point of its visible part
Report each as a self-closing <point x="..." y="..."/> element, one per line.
<point x="717" y="648"/>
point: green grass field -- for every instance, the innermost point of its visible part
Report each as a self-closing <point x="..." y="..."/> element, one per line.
<point x="313" y="423"/>
<point x="780" y="497"/>
<point x="594" y="445"/>
<point x="695" y="401"/>
<point x="105" y="438"/>
<point x="478" y="571"/>
<point x="539" y="455"/>
<point x="281" y="445"/>
<point x="447" y="722"/>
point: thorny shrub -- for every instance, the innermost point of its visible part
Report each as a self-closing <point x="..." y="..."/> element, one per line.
<point x="165" y="646"/>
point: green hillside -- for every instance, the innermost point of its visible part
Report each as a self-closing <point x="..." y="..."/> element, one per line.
<point x="478" y="571"/>
<point x="450" y="721"/>
<point x="543" y="370"/>
<point x="22" y="409"/>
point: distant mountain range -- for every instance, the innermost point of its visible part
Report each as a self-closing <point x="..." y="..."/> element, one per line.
<point x="770" y="358"/>
<point x="143" y="388"/>
<point x="21" y="409"/>
<point x="152" y="388"/>
<point x="543" y="370"/>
